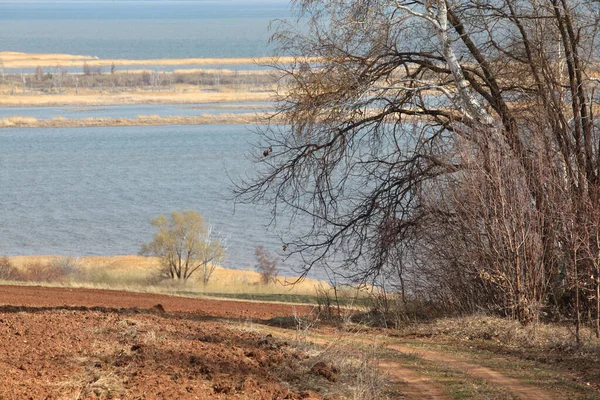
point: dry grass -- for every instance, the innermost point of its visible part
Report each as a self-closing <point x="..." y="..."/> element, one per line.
<point x="18" y="121"/>
<point x="543" y="355"/>
<point x="223" y="72"/>
<point x="24" y="60"/>
<point x="538" y="336"/>
<point x="361" y="378"/>
<point x="351" y="363"/>
<point x="94" y="98"/>
<point x="141" y="120"/>
<point x="10" y="58"/>
<point x="139" y="274"/>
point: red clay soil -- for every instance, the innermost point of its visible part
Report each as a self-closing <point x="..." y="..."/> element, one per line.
<point x="53" y="347"/>
<point x="38" y="296"/>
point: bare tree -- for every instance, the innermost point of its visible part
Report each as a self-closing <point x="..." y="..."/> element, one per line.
<point x="60" y="73"/>
<point x="266" y="265"/>
<point x="87" y="70"/>
<point x="39" y="73"/>
<point x="457" y="138"/>
<point x="156" y="78"/>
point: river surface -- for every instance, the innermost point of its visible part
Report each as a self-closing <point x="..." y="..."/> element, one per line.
<point x="93" y="191"/>
<point x="140" y="29"/>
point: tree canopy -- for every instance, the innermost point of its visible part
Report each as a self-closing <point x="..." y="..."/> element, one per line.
<point x="451" y="144"/>
<point x="185" y="245"/>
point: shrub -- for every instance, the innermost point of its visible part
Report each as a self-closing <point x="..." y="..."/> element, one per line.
<point x="8" y="272"/>
<point x="66" y="265"/>
<point x="266" y="265"/>
<point x="38" y="271"/>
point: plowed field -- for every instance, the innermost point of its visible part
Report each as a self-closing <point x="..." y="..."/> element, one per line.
<point x="60" y="343"/>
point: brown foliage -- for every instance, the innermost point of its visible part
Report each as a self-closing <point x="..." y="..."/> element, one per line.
<point x="8" y="272"/>
<point x="460" y="159"/>
<point x="42" y="272"/>
<point x="266" y="265"/>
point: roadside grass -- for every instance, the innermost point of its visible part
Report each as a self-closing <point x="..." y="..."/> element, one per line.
<point x="567" y="373"/>
<point x="355" y="343"/>
<point x="352" y="371"/>
<point x="458" y="384"/>
<point x="559" y="379"/>
<point x="543" y="336"/>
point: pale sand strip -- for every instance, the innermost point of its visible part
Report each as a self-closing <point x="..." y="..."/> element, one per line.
<point x="141" y="120"/>
<point x="139" y="97"/>
<point x="23" y="60"/>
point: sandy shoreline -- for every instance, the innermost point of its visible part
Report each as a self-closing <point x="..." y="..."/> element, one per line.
<point x="128" y="98"/>
<point x="142" y="120"/>
<point x="24" y="60"/>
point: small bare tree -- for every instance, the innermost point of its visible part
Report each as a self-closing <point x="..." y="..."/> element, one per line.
<point x="266" y="265"/>
<point x="157" y="78"/>
<point x="39" y="74"/>
<point x="87" y="70"/>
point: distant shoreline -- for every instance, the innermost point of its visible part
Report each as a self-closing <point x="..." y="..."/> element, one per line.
<point x="130" y="98"/>
<point x="26" y="60"/>
<point x="137" y="272"/>
<point x="49" y="86"/>
<point x="142" y="120"/>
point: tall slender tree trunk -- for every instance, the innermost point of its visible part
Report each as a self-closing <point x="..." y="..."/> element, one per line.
<point x="577" y="312"/>
<point x="597" y="301"/>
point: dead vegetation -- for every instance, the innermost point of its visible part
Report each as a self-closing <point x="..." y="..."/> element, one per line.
<point x="28" y="60"/>
<point x="53" y="84"/>
<point x="142" y="274"/>
<point x="539" y="336"/>
<point x="141" y="120"/>
<point x="90" y="97"/>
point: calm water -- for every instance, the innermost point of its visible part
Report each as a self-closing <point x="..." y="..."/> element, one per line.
<point x="92" y="191"/>
<point x="143" y="29"/>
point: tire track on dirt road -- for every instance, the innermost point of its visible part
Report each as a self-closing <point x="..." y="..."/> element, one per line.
<point x="417" y="386"/>
<point x="518" y="388"/>
<point x="414" y="386"/>
<point x="420" y="387"/>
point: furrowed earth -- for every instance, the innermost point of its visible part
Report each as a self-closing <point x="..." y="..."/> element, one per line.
<point x="66" y="343"/>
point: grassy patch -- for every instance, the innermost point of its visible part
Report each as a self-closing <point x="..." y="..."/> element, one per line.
<point x="458" y="384"/>
<point x="550" y="374"/>
<point x="542" y="355"/>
